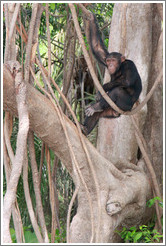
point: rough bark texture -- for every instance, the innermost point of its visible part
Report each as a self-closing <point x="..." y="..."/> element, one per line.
<point x="153" y="130"/>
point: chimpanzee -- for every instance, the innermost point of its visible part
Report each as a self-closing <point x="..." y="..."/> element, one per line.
<point x="123" y="89"/>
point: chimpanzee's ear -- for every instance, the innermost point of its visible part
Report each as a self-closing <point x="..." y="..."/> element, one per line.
<point x="123" y="58"/>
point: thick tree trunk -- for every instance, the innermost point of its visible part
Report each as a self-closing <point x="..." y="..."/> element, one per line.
<point x="153" y="130"/>
<point x="136" y="33"/>
<point x="130" y="35"/>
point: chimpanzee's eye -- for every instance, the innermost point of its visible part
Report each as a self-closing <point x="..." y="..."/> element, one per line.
<point x="108" y="60"/>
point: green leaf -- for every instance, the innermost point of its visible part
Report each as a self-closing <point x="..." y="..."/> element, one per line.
<point x="133" y="228"/>
<point x="147" y="240"/>
<point x="52" y="6"/>
<point x="151" y="202"/>
<point x="155" y="231"/>
<point x="133" y="233"/>
<point x="57" y="232"/>
<point x="137" y="236"/>
<point x="143" y="227"/>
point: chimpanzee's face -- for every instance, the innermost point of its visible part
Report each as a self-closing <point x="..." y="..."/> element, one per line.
<point x="112" y="64"/>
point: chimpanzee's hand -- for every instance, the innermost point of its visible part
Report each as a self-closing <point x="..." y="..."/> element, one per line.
<point x="89" y="111"/>
<point x="98" y="96"/>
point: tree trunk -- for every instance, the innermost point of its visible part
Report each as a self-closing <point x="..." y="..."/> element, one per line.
<point x="130" y="35"/>
<point x="153" y="130"/>
<point x="136" y="33"/>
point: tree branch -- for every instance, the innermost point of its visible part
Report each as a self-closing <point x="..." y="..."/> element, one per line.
<point x="35" y="176"/>
<point x="18" y="161"/>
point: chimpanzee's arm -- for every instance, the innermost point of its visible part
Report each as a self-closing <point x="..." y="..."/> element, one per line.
<point x="128" y="77"/>
<point x="124" y="83"/>
<point x="109" y="86"/>
<point x="98" y="48"/>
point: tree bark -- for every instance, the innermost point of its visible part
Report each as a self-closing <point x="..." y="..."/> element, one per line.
<point x="153" y="130"/>
<point x="19" y="157"/>
<point x="136" y="33"/>
<point x="35" y="176"/>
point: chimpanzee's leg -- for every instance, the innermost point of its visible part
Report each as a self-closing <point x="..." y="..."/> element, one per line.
<point x="102" y="109"/>
<point x="90" y="122"/>
<point x="109" y="113"/>
<point x="120" y="97"/>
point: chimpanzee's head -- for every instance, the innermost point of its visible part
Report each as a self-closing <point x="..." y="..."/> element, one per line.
<point x="113" y="61"/>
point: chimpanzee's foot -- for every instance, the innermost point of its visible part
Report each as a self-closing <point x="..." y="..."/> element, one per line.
<point x="110" y="113"/>
<point x="84" y="129"/>
<point x="115" y="114"/>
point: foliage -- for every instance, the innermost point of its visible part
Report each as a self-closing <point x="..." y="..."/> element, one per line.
<point x="145" y="233"/>
<point x="151" y="202"/>
<point x="30" y="236"/>
<point x="13" y="235"/>
<point x="60" y="237"/>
